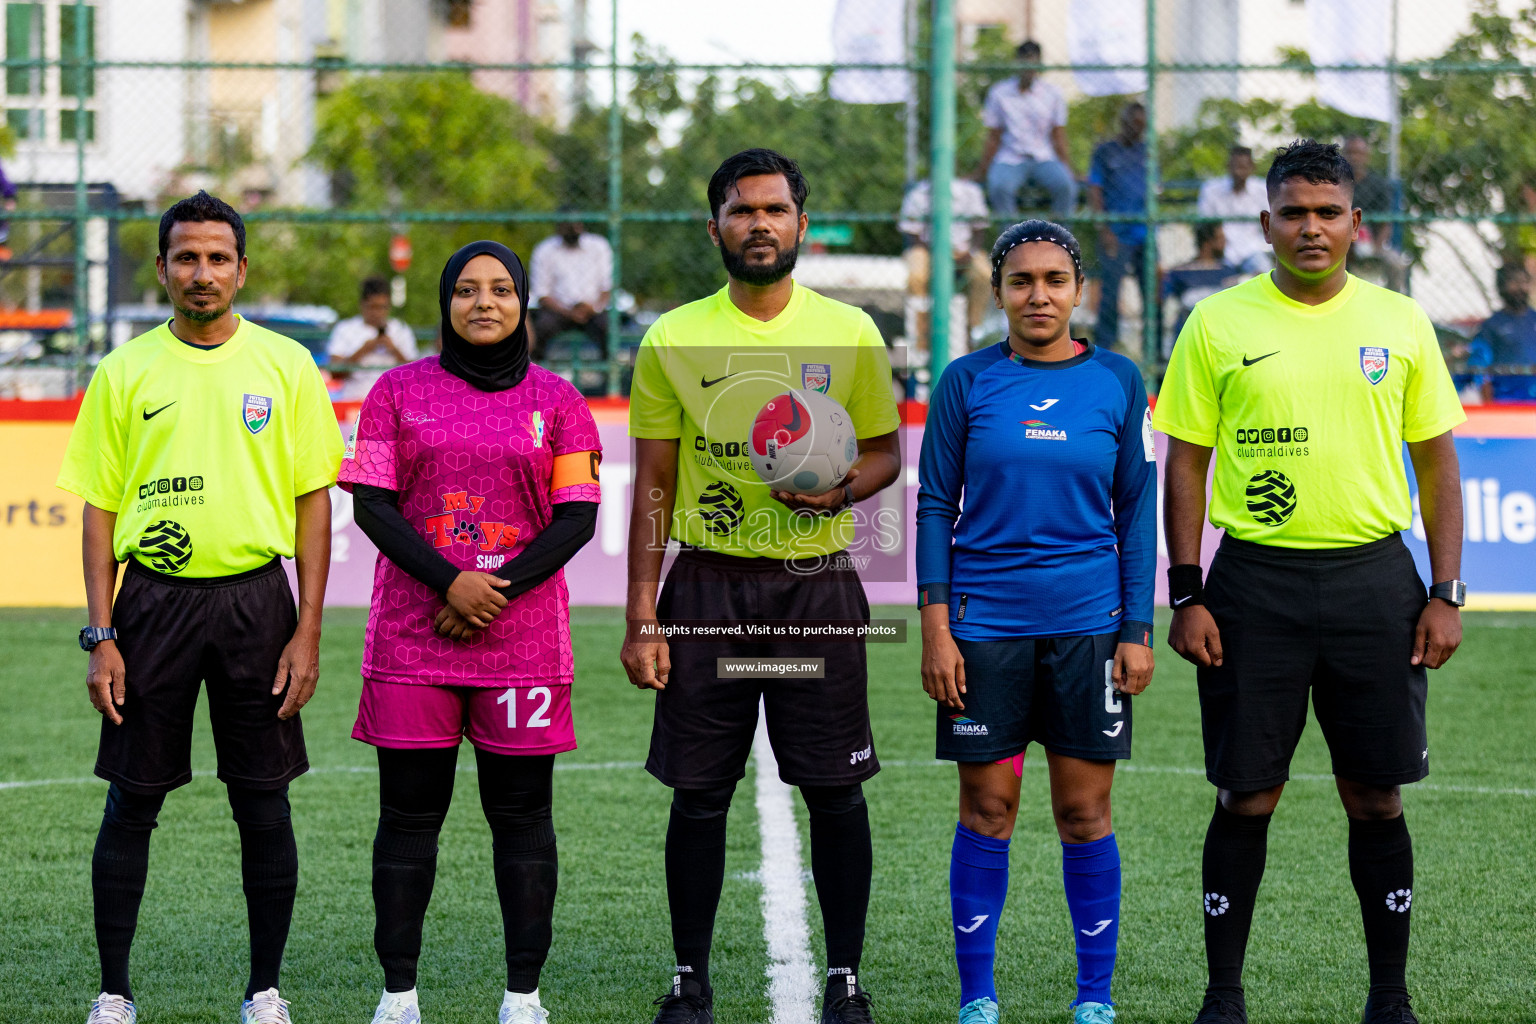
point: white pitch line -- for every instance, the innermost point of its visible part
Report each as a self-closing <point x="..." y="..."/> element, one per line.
<point x="1160" y="769"/>
<point x="791" y="978"/>
<point x="586" y="766"/>
<point x="560" y="766"/>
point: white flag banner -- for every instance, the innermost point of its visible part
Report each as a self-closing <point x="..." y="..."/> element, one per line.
<point x="1099" y="32"/>
<point x="1352" y="32"/>
<point x="870" y="32"/>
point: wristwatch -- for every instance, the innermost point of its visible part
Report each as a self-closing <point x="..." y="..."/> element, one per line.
<point x="1451" y="592"/>
<point x="847" y="501"/>
<point x="90" y="636"/>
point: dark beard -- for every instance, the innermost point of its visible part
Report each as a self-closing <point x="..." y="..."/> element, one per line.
<point x="203" y="316"/>
<point x="736" y="265"/>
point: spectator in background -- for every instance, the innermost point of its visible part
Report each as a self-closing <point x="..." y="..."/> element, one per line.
<point x="8" y="203"/>
<point x="1373" y="195"/>
<point x="1117" y="183"/>
<point x="364" y="346"/>
<point x="1026" y="120"/>
<point x="967" y="242"/>
<point x="1504" y="350"/>
<point x="1239" y="200"/>
<point x="571" y="279"/>
<point x="1205" y="275"/>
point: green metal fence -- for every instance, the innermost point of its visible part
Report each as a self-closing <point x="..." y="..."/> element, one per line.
<point x="330" y="158"/>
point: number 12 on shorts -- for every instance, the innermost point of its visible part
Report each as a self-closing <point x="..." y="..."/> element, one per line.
<point x="536" y="695"/>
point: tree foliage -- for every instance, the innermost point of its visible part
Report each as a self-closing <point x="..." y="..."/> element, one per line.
<point x="1468" y="148"/>
<point x="423" y="142"/>
<point x="434" y="142"/>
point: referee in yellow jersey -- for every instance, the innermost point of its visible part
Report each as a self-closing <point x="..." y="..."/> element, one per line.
<point x="751" y="553"/>
<point x="1306" y="382"/>
<point x="204" y="451"/>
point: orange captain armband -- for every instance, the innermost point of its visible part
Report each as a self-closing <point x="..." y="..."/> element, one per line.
<point x="573" y="469"/>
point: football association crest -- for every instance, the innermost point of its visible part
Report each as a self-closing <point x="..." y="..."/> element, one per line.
<point x="1373" y="363"/>
<point x="258" y="412"/>
<point x="816" y="376"/>
<point x="536" y="428"/>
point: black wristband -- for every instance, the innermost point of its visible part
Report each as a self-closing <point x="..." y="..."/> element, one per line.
<point x="1184" y="586"/>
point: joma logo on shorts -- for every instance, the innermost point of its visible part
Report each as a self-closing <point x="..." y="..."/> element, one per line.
<point x="861" y="755"/>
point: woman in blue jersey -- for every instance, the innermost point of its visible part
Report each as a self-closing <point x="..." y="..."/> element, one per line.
<point x="1036" y="599"/>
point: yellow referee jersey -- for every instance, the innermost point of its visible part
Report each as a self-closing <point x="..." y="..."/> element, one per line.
<point x="1308" y="408"/>
<point x="701" y="375"/>
<point x="202" y="451"/>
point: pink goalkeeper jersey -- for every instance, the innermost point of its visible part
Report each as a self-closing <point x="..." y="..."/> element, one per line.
<point x="474" y="471"/>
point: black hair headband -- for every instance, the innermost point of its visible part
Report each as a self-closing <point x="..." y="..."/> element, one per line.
<point x="1076" y="260"/>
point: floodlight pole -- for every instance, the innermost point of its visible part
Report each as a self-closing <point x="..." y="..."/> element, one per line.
<point x="941" y="173"/>
<point x="615" y="200"/>
<point x="1395" y="132"/>
<point x="82" y="209"/>
<point x="911" y="54"/>
<point x="1151" y="302"/>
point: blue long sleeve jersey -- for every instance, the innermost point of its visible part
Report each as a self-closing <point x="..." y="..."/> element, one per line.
<point x="1036" y="492"/>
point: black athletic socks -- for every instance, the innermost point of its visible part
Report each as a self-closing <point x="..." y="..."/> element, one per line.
<point x="527" y="875"/>
<point x="695" y="866"/>
<point x="269" y="871"/>
<point x="516" y="794"/>
<point x="1381" y="867"/>
<point x="415" y="788"/>
<point x="842" y="860"/>
<point x="404" y="870"/>
<point x="119" y="867"/>
<point x="1233" y="867"/>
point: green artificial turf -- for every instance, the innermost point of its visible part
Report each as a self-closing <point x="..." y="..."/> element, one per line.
<point x="1473" y="823"/>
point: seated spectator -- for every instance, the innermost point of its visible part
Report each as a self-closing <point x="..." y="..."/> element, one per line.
<point x="1504" y="350"/>
<point x="570" y="280"/>
<point x="1239" y="200"/>
<point x="8" y="203"/>
<point x="1117" y="183"/>
<point x="362" y="347"/>
<point x="1373" y="195"/>
<point x="968" y="238"/>
<point x="1205" y="275"/>
<point x="1026" y="118"/>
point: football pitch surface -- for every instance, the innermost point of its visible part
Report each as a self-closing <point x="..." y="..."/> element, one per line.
<point x="1473" y="821"/>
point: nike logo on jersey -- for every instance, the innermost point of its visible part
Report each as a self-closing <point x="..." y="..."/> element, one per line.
<point x="1045" y="404"/>
<point x="1180" y="600"/>
<point x="705" y="382"/>
<point x="975" y="923"/>
<point x="1111" y="733"/>
<point x="151" y="415"/>
<point x="1101" y="926"/>
<point x="1255" y="359"/>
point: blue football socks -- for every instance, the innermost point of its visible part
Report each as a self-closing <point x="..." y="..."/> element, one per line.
<point x="978" y="885"/>
<point x="1091" y="873"/>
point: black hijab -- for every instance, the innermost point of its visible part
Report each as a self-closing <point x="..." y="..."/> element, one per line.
<point x="487" y="367"/>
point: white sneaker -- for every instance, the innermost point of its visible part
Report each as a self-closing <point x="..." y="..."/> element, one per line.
<point x="112" y="1010"/>
<point x="522" y="1008"/>
<point x="397" y="1008"/>
<point x="265" y="1008"/>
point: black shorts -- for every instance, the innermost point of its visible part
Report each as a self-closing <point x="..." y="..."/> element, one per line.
<point x="705" y="722"/>
<point x="174" y="633"/>
<point x="1337" y="623"/>
<point x="1056" y="691"/>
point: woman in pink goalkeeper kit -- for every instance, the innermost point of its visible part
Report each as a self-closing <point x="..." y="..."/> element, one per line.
<point x="475" y="473"/>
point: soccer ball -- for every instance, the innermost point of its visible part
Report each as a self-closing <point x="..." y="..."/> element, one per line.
<point x="803" y="441"/>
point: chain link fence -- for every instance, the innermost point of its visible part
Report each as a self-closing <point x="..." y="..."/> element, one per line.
<point x="340" y="163"/>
